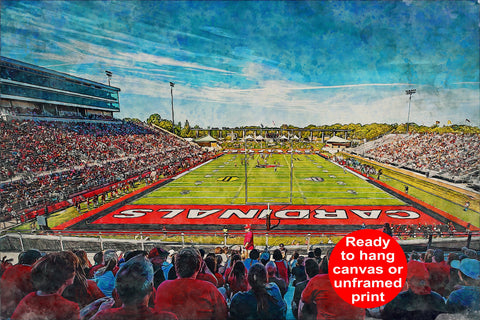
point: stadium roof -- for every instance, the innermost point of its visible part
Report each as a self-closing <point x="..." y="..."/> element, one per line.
<point x="336" y="139"/>
<point x="207" y="138"/>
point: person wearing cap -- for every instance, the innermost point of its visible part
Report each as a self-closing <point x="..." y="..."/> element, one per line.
<point x="188" y="297"/>
<point x="467" y="298"/>
<point x="105" y="276"/>
<point x="157" y="257"/>
<point x="134" y="284"/>
<point x="16" y="282"/>
<point x="419" y="301"/>
<point x="439" y="272"/>
<point x="248" y="240"/>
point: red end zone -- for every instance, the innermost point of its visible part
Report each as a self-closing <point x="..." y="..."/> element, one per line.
<point x="291" y="215"/>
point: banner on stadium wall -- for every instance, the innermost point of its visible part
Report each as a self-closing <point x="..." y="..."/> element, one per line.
<point x="257" y="214"/>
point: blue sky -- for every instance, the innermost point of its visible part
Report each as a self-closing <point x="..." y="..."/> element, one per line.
<point x="251" y="63"/>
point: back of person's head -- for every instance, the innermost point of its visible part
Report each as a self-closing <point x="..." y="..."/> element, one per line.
<point x="311" y="254"/>
<point x="239" y="271"/>
<point x="98" y="257"/>
<point x="187" y="262"/>
<point x="130" y="254"/>
<point x="438" y="255"/>
<point x="300" y="260"/>
<point x="417" y="278"/>
<point x="29" y="257"/>
<point x="110" y="255"/>
<point x="51" y="272"/>
<point x="211" y="254"/>
<point x="324" y="263"/>
<point x="296" y="255"/>
<point x="311" y="268"/>
<point x="317" y="252"/>
<point x="257" y="278"/>
<point x="202" y="252"/>
<point x="82" y="257"/>
<point x="211" y="263"/>
<point x="265" y="256"/>
<point x="277" y="254"/>
<point x="271" y="268"/>
<point x="254" y="254"/>
<point x="236" y="257"/>
<point x="134" y="280"/>
<point x="429" y="255"/>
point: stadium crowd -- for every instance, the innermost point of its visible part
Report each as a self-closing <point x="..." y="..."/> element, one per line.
<point x="223" y="284"/>
<point x="449" y="155"/>
<point x="47" y="161"/>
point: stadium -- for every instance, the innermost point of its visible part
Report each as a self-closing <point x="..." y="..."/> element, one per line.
<point x="72" y="153"/>
<point x="78" y="177"/>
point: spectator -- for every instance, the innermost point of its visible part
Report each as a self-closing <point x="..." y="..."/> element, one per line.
<point x="319" y="290"/>
<point x="439" y="272"/>
<point x="237" y="279"/>
<point x="134" y="285"/>
<point x="50" y="276"/>
<point x="282" y="266"/>
<point x="467" y="298"/>
<point x="292" y="262"/>
<point x="105" y="276"/>
<point x="317" y="252"/>
<point x="309" y="311"/>
<point x="235" y="257"/>
<point x="263" y="301"/>
<point x="157" y="257"/>
<point x="283" y="250"/>
<point x="265" y="256"/>
<point x="272" y="278"/>
<point x="188" y="297"/>
<point x="82" y="291"/>
<point x="299" y="271"/>
<point x="211" y="264"/>
<point x="98" y="260"/>
<point x="252" y="259"/>
<point x="419" y="301"/>
<point x="16" y="282"/>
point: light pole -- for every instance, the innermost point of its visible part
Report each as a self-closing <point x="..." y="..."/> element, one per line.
<point x="409" y="92"/>
<point x="109" y="76"/>
<point x="173" y="118"/>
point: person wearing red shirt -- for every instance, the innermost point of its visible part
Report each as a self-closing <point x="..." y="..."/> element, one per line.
<point x="248" y="240"/>
<point x="16" y="282"/>
<point x="50" y="276"/>
<point x="188" y="297"/>
<point x="439" y="272"/>
<point x="320" y="291"/>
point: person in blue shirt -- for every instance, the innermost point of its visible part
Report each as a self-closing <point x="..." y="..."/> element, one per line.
<point x="263" y="301"/>
<point x="252" y="259"/>
<point x="467" y="298"/>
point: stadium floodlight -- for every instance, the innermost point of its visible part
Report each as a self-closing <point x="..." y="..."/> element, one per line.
<point x="173" y="118"/>
<point x="409" y="92"/>
<point x="109" y="76"/>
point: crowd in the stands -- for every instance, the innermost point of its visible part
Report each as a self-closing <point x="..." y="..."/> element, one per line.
<point x="224" y="284"/>
<point x="453" y="156"/>
<point x="43" y="162"/>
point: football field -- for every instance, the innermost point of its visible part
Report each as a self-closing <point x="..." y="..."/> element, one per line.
<point x="314" y="181"/>
<point x="293" y="193"/>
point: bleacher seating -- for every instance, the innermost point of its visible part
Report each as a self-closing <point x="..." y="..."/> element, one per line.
<point x="46" y="161"/>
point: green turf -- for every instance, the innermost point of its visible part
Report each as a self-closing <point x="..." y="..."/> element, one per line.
<point x="205" y="185"/>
